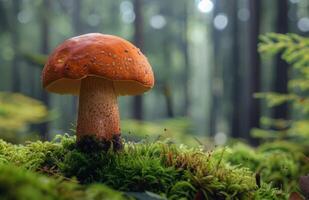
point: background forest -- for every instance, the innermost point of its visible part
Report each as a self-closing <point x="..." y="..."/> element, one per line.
<point x="232" y="82"/>
<point x="204" y="55"/>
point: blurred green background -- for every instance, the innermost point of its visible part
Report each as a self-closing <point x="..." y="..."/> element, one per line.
<point x="204" y="54"/>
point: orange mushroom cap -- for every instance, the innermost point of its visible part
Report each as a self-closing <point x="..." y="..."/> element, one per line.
<point x="100" y="55"/>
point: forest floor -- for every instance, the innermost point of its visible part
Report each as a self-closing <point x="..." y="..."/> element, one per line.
<point x="64" y="169"/>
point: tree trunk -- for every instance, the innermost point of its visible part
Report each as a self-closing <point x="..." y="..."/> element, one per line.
<point x="138" y="41"/>
<point x="76" y="19"/>
<point x="44" y="50"/>
<point x="253" y="107"/>
<point x="166" y="87"/>
<point x="281" y="70"/>
<point x="168" y="99"/>
<point x="15" y="45"/>
<point x="215" y="104"/>
<point x="186" y="60"/>
<point x="236" y="94"/>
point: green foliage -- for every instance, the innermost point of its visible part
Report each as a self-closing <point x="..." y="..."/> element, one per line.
<point x="32" y="157"/>
<point x="243" y="155"/>
<point x="16" y="111"/>
<point x="165" y="169"/>
<point x="281" y="169"/>
<point x="284" y="162"/>
<point x="294" y="49"/>
<point x="280" y="163"/>
<point x="16" y="183"/>
<point x="267" y="192"/>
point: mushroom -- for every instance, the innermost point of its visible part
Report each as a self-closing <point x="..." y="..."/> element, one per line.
<point x="98" y="68"/>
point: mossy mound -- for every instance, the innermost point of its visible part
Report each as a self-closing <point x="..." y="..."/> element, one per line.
<point x="280" y="163"/>
<point x="165" y="169"/>
<point x="17" y="183"/>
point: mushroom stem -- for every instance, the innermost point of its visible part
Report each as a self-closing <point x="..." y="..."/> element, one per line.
<point x="98" y="113"/>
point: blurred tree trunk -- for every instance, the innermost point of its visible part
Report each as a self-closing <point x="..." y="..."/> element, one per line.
<point x="3" y="18"/>
<point x="167" y="48"/>
<point x="139" y="42"/>
<point x="168" y="99"/>
<point x="253" y="76"/>
<point x="166" y="88"/>
<point x="215" y="78"/>
<point x="185" y="49"/>
<point x="117" y="25"/>
<point x="78" y="29"/>
<point x="15" y="45"/>
<point x="281" y="70"/>
<point x="44" y="50"/>
<point x="236" y="94"/>
<point x="76" y="18"/>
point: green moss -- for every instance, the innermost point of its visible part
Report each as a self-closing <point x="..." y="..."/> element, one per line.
<point x="16" y="183"/>
<point x="160" y="168"/>
<point x="268" y="192"/>
<point x="165" y="169"/>
<point x="280" y="163"/>
<point x="243" y="155"/>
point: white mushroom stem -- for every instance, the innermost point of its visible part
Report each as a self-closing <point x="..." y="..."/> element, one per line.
<point x="98" y="113"/>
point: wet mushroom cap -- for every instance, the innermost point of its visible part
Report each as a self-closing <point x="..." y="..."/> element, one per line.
<point x="95" y="54"/>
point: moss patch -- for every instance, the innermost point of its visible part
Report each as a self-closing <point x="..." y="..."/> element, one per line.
<point x="17" y="183"/>
<point x="280" y="163"/>
<point x="165" y="169"/>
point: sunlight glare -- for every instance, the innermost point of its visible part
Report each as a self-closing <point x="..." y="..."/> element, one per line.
<point x="205" y="6"/>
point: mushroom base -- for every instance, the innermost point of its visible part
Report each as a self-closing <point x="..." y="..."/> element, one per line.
<point x="98" y="114"/>
<point x="89" y="144"/>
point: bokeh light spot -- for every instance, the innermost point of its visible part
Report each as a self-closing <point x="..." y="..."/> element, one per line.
<point x="243" y="14"/>
<point x="127" y="12"/>
<point x="157" y="21"/>
<point x="205" y="6"/>
<point x="303" y="24"/>
<point x="125" y="6"/>
<point x="24" y="16"/>
<point x="221" y="21"/>
<point x="294" y="1"/>
<point x="220" y="138"/>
